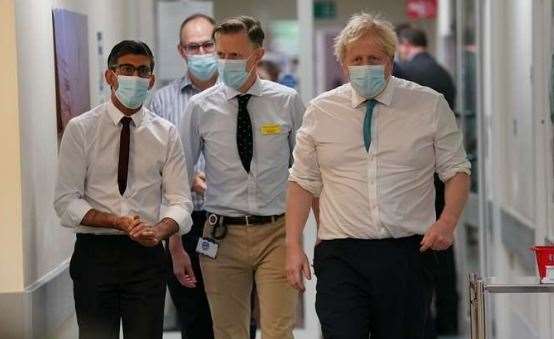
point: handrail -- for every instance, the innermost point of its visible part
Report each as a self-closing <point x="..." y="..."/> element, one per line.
<point x="478" y="287"/>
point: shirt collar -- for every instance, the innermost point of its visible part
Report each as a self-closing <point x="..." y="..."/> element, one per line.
<point x="255" y="89"/>
<point x="184" y="83"/>
<point x="116" y="115"/>
<point x="385" y="97"/>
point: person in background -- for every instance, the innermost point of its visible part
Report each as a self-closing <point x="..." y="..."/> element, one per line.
<point x="117" y="163"/>
<point x="186" y="285"/>
<point x="396" y="70"/>
<point x="290" y="78"/>
<point x="368" y="150"/>
<point x="245" y="127"/>
<point x="268" y="70"/>
<point x="419" y="66"/>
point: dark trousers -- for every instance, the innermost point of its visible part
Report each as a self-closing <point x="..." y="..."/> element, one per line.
<point x="116" y="279"/>
<point x="193" y="310"/>
<point x="446" y="297"/>
<point x="377" y="287"/>
<point x="445" y="321"/>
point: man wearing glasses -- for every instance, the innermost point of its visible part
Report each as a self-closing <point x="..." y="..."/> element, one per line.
<point x="186" y="284"/>
<point x="117" y="163"/>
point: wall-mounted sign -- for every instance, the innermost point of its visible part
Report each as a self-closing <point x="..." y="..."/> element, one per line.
<point x="421" y="9"/>
<point x="325" y="10"/>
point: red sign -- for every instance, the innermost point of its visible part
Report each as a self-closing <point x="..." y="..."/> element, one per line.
<point x="421" y="9"/>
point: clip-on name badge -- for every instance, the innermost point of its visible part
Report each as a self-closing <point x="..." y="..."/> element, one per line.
<point x="209" y="246"/>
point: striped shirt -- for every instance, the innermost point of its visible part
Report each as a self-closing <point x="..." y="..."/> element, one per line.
<point x="169" y="102"/>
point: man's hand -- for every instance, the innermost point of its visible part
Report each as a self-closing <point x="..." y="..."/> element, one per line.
<point x="128" y="223"/>
<point x="199" y="183"/>
<point x="145" y="235"/>
<point x="297" y="267"/>
<point x="438" y="237"/>
<point x="182" y="268"/>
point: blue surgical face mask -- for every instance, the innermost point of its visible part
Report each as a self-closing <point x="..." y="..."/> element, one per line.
<point x="233" y="73"/>
<point x="202" y="67"/>
<point x="367" y="80"/>
<point x="132" y="90"/>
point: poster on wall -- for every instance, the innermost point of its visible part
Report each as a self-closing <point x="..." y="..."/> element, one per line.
<point x="72" y="65"/>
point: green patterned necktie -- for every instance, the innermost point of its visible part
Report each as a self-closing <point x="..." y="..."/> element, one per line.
<point x="367" y="122"/>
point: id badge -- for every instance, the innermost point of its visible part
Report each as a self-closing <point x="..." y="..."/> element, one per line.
<point x="271" y="129"/>
<point x="207" y="247"/>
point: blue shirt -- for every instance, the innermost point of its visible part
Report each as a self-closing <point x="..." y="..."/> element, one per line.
<point x="169" y="102"/>
<point x="208" y="126"/>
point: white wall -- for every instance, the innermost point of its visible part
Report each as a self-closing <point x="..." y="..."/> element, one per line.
<point x="45" y="244"/>
<point x="11" y="253"/>
<point x="509" y="92"/>
<point x="519" y="142"/>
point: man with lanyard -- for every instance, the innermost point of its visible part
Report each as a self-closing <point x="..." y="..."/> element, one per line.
<point x="246" y="128"/>
<point x="186" y="285"/>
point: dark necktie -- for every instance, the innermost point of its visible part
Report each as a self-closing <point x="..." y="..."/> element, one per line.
<point x="367" y="122"/>
<point x="123" y="165"/>
<point x="245" y="140"/>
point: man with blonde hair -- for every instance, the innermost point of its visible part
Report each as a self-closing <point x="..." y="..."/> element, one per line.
<point x="368" y="150"/>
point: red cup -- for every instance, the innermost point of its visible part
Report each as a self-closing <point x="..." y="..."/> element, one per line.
<point x="545" y="257"/>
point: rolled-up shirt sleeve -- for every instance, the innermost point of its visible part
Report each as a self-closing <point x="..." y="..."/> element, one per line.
<point x="305" y="170"/>
<point x="175" y="185"/>
<point x="450" y="156"/>
<point x="69" y="202"/>
<point x="191" y="140"/>
<point x="297" y="115"/>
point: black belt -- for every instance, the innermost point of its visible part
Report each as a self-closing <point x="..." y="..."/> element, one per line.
<point x="246" y="220"/>
<point x="220" y="221"/>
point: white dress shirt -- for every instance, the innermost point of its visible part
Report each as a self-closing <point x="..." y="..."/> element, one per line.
<point x="209" y="125"/>
<point x="388" y="191"/>
<point x="87" y="174"/>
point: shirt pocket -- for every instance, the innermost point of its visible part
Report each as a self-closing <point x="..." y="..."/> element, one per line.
<point x="271" y="139"/>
